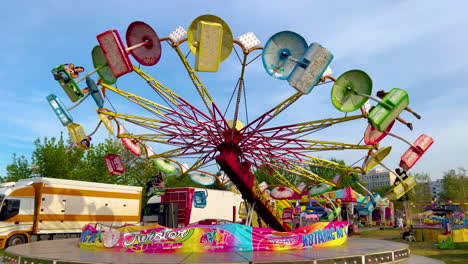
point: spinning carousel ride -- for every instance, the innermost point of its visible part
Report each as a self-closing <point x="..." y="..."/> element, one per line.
<point x="208" y="136"/>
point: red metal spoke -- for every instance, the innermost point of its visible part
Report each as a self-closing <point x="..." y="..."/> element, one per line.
<point x="181" y="152"/>
<point x="220" y="121"/>
<point x="170" y="95"/>
<point x="297" y="144"/>
<point x="155" y="125"/>
<point x="294" y="129"/>
<point x="190" y="132"/>
<point x="251" y="128"/>
<point x="202" y="161"/>
<point x="290" y="144"/>
<point x="166" y="112"/>
<point x="263" y="153"/>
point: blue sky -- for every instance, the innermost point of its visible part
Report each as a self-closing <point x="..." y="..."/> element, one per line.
<point x="419" y="46"/>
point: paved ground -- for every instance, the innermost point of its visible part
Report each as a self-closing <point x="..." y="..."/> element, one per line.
<point x="415" y="259"/>
<point x="67" y="250"/>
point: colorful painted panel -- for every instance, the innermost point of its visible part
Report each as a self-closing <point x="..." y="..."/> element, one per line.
<point x="345" y="195"/>
<point x="211" y="238"/>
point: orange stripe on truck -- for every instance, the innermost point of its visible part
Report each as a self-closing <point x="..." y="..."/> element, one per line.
<point x="20" y="218"/>
<point x="26" y="191"/>
<point x="76" y="192"/>
<point x="90" y="218"/>
<point x="73" y="218"/>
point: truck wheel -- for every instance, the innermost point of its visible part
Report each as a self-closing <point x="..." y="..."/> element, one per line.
<point x="16" y="239"/>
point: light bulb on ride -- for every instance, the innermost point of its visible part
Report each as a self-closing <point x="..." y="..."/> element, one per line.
<point x="249" y="40"/>
<point x="178" y="34"/>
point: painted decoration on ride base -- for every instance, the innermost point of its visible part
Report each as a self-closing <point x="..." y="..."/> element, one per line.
<point x="212" y="238"/>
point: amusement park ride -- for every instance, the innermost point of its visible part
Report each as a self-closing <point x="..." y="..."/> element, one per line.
<point x="208" y="136"/>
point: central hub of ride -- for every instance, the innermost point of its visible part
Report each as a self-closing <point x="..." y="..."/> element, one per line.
<point x="231" y="140"/>
<point x="239" y="172"/>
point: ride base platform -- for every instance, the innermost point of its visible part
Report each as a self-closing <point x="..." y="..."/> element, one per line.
<point x="355" y="251"/>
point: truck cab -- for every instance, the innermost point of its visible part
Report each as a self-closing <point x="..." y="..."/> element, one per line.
<point x="16" y="213"/>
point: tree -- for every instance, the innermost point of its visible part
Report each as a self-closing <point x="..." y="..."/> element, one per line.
<point x="262" y="175"/>
<point x="347" y="181"/>
<point x="181" y="180"/>
<point x="93" y="167"/>
<point x="18" y="169"/>
<point x="138" y="169"/>
<point x="422" y="191"/>
<point x="455" y="184"/>
<point x="55" y="160"/>
<point x="384" y="190"/>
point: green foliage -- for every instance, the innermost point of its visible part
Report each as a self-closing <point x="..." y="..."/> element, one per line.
<point x="54" y="159"/>
<point x="93" y="164"/>
<point x="18" y="169"/>
<point x="384" y="190"/>
<point x="138" y="170"/>
<point x="326" y="173"/>
<point x="422" y="191"/>
<point x="262" y="175"/>
<point x="347" y="180"/>
<point x="182" y="180"/>
<point x="455" y="185"/>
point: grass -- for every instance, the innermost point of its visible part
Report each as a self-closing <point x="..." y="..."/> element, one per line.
<point x="428" y="249"/>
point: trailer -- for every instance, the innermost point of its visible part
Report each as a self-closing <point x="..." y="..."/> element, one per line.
<point x="47" y="208"/>
<point x="180" y="207"/>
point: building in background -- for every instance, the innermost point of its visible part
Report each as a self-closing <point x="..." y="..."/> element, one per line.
<point x="437" y="187"/>
<point x="378" y="178"/>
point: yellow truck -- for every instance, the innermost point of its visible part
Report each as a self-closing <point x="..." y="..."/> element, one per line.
<point x="46" y="208"/>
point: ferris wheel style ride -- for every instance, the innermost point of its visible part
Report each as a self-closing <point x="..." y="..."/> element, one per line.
<point x="208" y="136"/>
